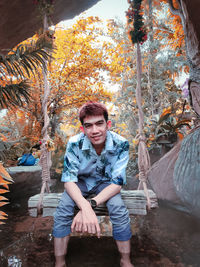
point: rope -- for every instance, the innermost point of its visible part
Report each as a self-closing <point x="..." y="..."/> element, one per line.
<point x="144" y="165"/>
<point x="143" y="154"/>
<point x="45" y="159"/>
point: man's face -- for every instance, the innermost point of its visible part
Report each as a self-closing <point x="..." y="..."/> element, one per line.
<point x="95" y="128"/>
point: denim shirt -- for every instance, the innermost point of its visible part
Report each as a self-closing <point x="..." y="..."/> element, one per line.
<point x="81" y="161"/>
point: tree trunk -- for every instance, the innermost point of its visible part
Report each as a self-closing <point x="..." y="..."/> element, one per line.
<point x="193" y="54"/>
<point x="53" y="124"/>
<point x="150" y="55"/>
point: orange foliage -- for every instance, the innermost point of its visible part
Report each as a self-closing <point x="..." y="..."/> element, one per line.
<point x="180" y="135"/>
<point x="173" y="22"/>
<point x="166" y="111"/>
<point x="5" y="179"/>
<point x="75" y="76"/>
<point x="176" y="36"/>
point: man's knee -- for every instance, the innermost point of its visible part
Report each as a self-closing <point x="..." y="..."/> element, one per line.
<point x="66" y="200"/>
<point x="115" y="204"/>
<point x="120" y="219"/>
<point x="63" y="216"/>
<point x="65" y="206"/>
<point x="118" y="212"/>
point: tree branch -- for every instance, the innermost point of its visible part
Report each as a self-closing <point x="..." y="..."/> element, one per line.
<point x="178" y="12"/>
<point x="174" y="10"/>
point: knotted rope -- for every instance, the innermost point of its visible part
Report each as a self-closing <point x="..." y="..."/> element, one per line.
<point x="143" y="165"/>
<point x="143" y="154"/>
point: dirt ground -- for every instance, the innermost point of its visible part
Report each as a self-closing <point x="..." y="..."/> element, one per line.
<point x="163" y="238"/>
<point x="166" y="238"/>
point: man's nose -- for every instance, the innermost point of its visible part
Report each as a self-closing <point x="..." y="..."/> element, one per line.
<point x="94" y="128"/>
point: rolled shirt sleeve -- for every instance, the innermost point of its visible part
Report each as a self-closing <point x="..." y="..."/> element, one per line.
<point x="118" y="171"/>
<point x="71" y="163"/>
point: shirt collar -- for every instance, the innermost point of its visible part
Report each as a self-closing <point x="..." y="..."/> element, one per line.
<point x="108" y="146"/>
<point x="109" y="142"/>
<point x="86" y="143"/>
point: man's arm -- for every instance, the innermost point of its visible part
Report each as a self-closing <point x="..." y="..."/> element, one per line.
<point x="108" y="192"/>
<point x="86" y="220"/>
<point x="75" y="193"/>
<point x="118" y="176"/>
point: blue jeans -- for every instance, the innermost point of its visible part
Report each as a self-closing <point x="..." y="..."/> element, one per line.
<point x="118" y="213"/>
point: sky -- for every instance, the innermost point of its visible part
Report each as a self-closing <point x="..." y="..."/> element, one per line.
<point x="105" y="9"/>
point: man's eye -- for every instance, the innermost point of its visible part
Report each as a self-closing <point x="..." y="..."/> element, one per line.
<point x="99" y="123"/>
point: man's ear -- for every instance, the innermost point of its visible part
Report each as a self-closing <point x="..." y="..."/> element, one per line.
<point x="109" y="124"/>
<point x="82" y="129"/>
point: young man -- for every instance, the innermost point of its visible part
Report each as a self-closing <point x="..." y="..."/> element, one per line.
<point x="95" y="163"/>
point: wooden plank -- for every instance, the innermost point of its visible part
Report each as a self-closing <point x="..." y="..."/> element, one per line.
<point x="135" y="200"/>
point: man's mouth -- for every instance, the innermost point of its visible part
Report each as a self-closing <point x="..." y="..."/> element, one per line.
<point x="96" y="137"/>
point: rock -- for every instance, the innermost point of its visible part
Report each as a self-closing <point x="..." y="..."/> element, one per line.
<point x="28" y="175"/>
<point x="176" y="176"/>
<point x="160" y="176"/>
<point x="27" y="181"/>
<point x="187" y="172"/>
<point x="20" y="20"/>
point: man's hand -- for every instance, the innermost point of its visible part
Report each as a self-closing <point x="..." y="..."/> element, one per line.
<point x="86" y="221"/>
<point x="77" y="224"/>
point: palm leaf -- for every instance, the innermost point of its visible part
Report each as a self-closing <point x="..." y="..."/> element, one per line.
<point x="14" y="94"/>
<point x="25" y="59"/>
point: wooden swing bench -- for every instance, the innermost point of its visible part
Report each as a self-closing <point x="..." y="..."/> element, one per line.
<point x="135" y="200"/>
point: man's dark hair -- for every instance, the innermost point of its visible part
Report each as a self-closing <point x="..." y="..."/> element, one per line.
<point x="93" y="109"/>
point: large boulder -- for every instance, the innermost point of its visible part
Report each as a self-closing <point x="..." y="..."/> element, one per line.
<point x="187" y="172"/>
<point x="160" y="176"/>
<point x="176" y="176"/>
<point x="27" y="182"/>
<point x="20" y="19"/>
<point x="23" y="174"/>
